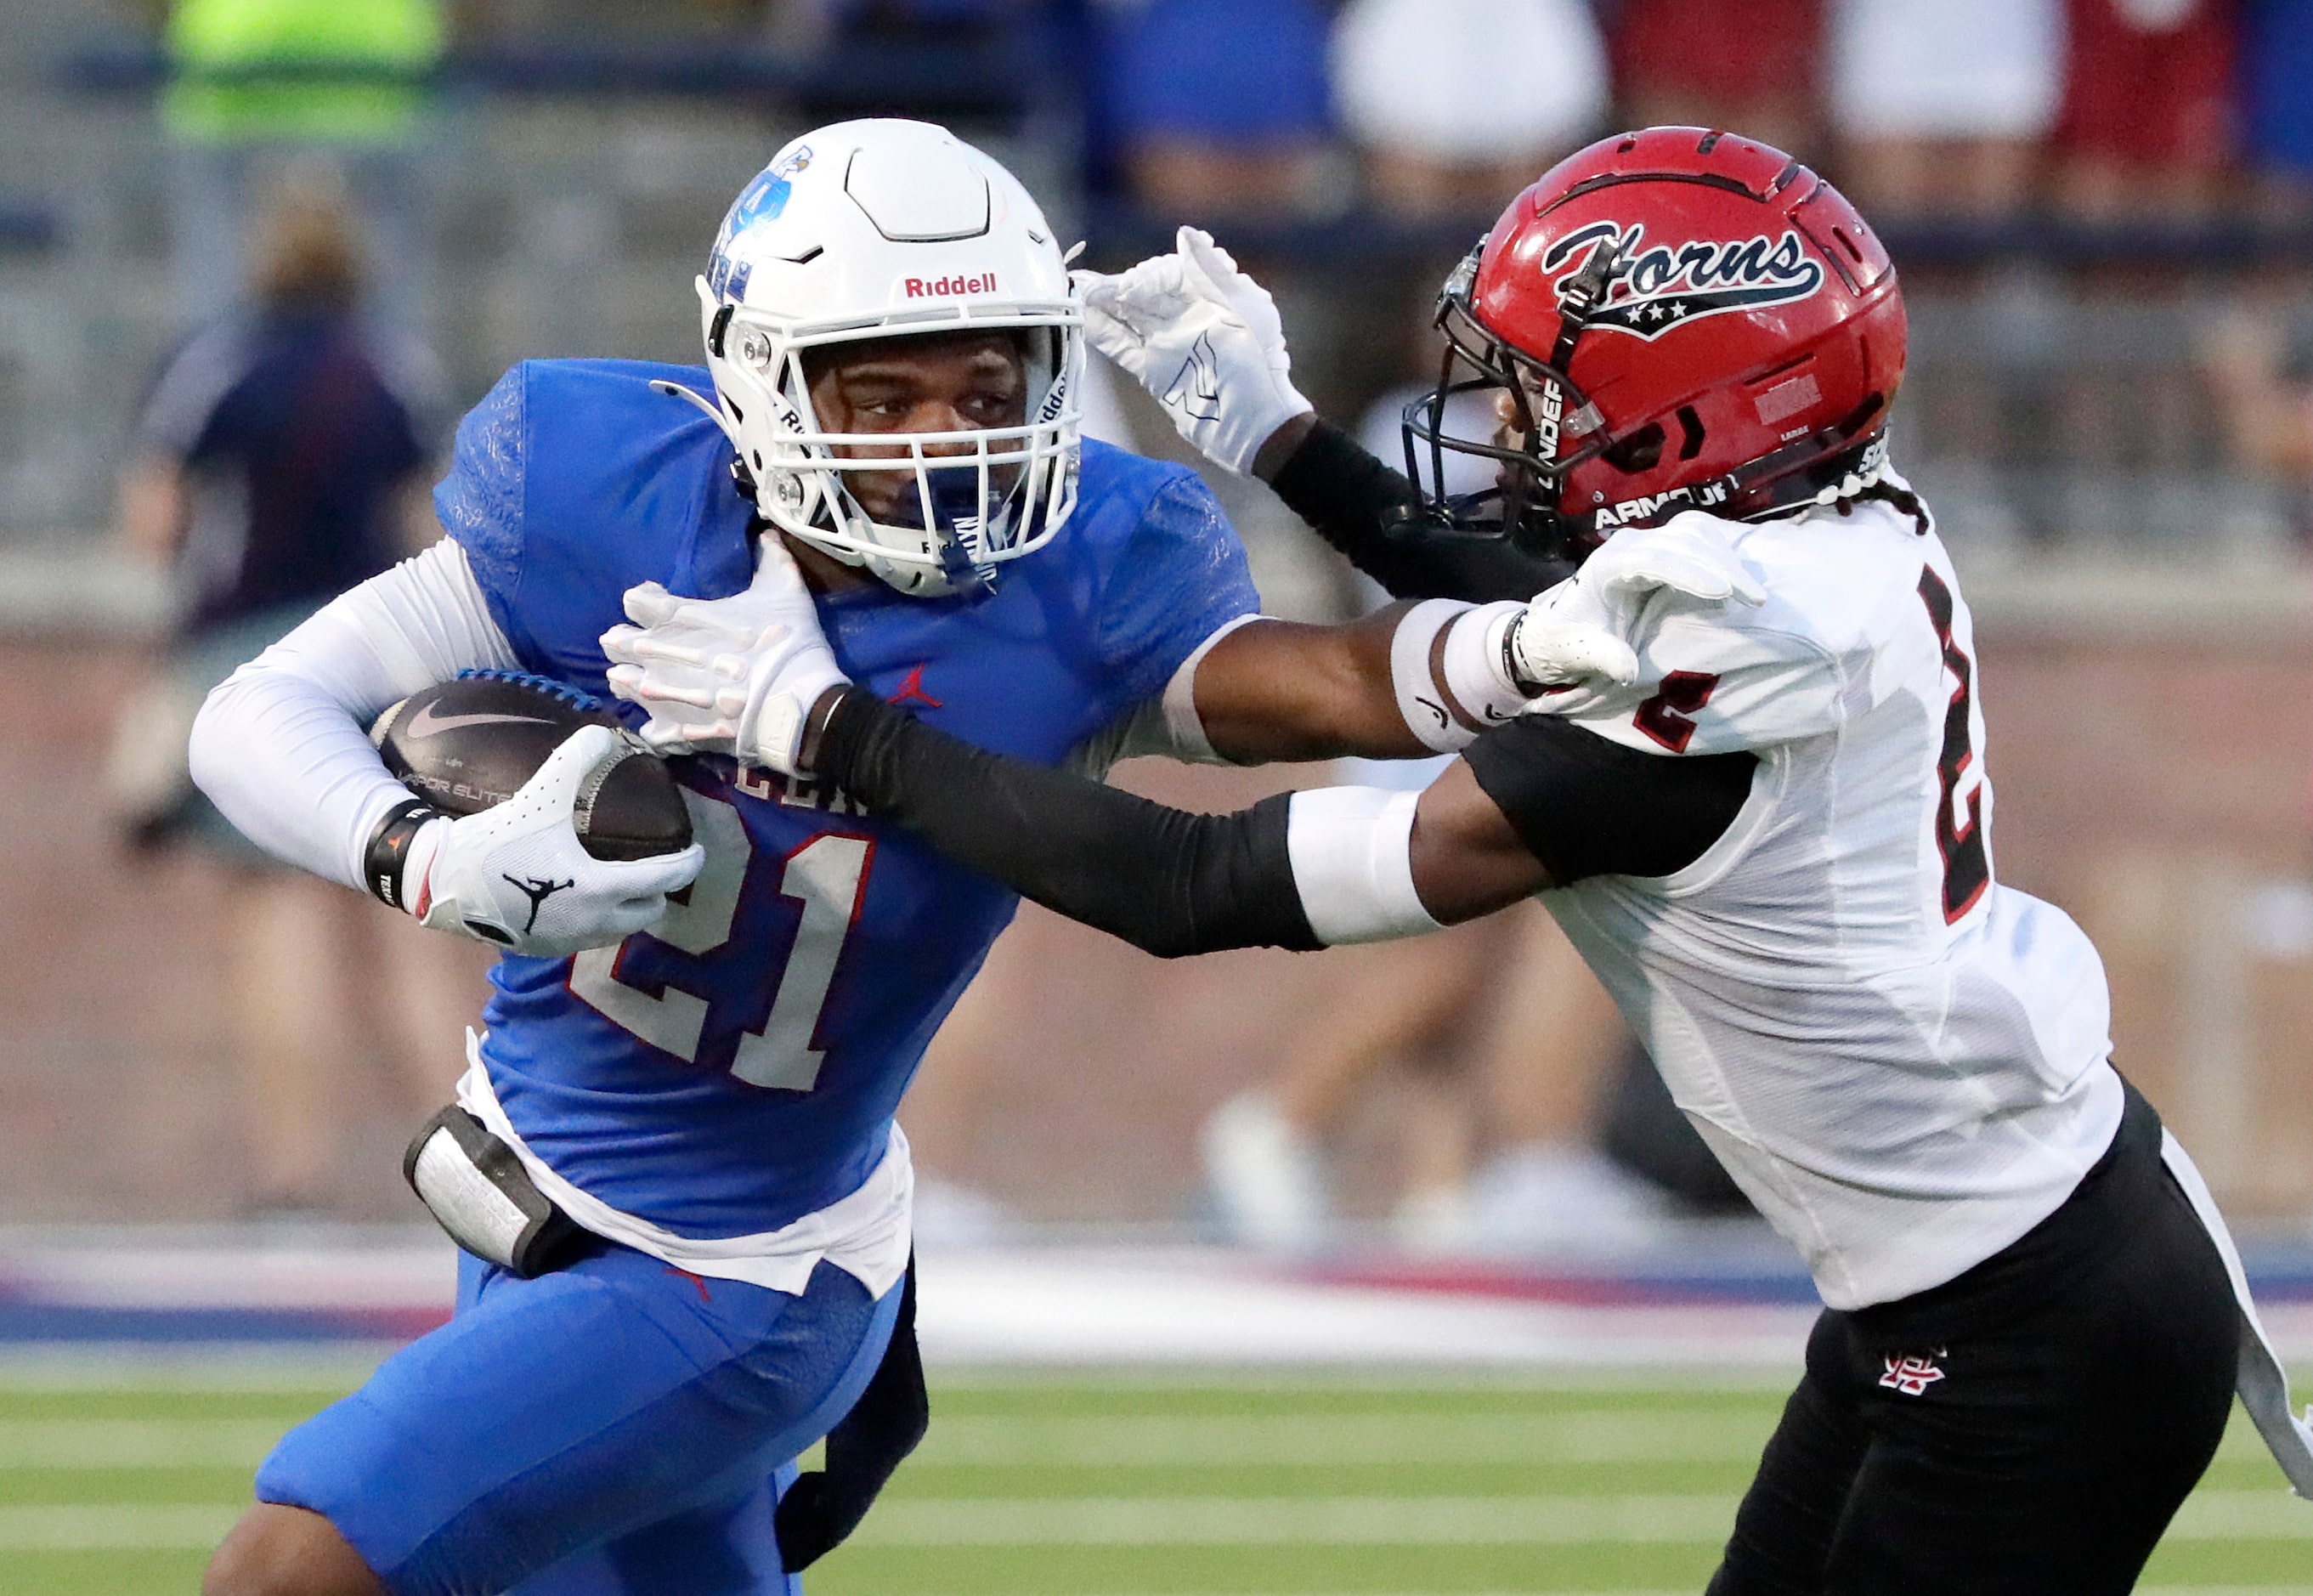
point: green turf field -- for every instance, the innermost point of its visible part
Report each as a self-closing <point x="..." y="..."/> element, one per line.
<point x="113" y="1482"/>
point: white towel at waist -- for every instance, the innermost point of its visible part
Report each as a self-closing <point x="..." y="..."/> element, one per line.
<point x="866" y="1235"/>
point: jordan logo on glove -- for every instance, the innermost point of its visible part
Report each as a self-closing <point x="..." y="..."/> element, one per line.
<point x="537" y="891"/>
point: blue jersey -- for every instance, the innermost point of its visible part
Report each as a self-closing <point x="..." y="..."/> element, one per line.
<point x="738" y="1067"/>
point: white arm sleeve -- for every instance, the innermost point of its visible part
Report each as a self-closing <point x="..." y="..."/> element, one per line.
<point x="281" y="747"/>
<point x="1352" y="852"/>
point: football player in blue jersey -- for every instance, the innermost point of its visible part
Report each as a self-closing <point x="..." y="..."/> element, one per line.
<point x="673" y="1166"/>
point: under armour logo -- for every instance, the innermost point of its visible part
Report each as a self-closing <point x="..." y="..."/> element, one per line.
<point x="537" y="892"/>
<point x="1912" y="1375"/>
<point x="1196" y="390"/>
<point x="911" y="690"/>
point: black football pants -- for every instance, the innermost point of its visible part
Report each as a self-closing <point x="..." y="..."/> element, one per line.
<point x="2025" y="1430"/>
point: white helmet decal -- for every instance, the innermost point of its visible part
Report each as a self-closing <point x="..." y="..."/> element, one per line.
<point x="761" y="200"/>
<point x="876" y="229"/>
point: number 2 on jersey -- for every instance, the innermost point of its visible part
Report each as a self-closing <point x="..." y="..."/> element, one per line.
<point x="1967" y="868"/>
<point x="1668" y="717"/>
<point x="827" y="876"/>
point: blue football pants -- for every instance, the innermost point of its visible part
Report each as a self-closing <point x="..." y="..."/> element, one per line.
<point x="615" y="1428"/>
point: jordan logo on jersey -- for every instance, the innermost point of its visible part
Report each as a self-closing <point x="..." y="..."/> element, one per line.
<point x="1652" y="290"/>
<point x="1912" y="1375"/>
<point x="911" y="692"/>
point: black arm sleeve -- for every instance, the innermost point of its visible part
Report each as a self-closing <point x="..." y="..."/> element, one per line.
<point x="1165" y="880"/>
<point x="1366" y="511"/>
<point x="1587" y="807"/>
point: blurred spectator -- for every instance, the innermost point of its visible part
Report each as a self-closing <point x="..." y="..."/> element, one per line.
<point x="349" y="81"/>
<point x="1216" y="105"/>
<point x="921" y="19"/>
<point x="2146" y="126"/>
<point x="1498" y="1027"/>
<point x="1507" y="1043"/>
<point x="821" y="24"/>
<point x="1942" y="104"/>
<point x="276" y="466"/>
<point x="2277" y="60"/>
<point x="2267" y="412"/>
<point x="1749" y="66"/>
<point x="1455" y="105"/>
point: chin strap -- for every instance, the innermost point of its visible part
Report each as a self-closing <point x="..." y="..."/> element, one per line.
<point x="1580" y="297"/>
<point x="964" y="575"/>
<point x="743" y="480"/>
<point x="713" y="413"/>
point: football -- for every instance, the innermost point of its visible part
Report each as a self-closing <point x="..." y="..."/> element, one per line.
<point x="467" y="743"/>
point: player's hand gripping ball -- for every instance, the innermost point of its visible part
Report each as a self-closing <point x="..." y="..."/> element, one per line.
<point x="559" y="831"/>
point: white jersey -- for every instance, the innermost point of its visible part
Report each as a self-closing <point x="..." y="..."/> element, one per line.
<point x="1903" y="1063"/>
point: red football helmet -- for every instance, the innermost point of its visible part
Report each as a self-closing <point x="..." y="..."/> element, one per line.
<point x="1678" y="319"/>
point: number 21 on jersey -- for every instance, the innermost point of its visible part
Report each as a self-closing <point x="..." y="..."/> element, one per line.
<point x="826" y="877"/>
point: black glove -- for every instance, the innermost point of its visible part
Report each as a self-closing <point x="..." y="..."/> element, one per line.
<point x="867" y="1444"/>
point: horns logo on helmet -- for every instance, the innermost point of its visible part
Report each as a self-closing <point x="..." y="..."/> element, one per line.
<point x="1653" y="290"/>
<point x="1781" y="395"/>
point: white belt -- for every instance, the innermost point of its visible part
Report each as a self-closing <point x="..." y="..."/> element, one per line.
<point x="2259" y="1379"/>
<point x="866" y="1234"/>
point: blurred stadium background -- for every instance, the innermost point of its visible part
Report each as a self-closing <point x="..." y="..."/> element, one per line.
<point x="2104" y="212"/>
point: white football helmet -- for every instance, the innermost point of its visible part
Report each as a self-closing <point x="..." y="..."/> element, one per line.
<point x="868" y="230"/>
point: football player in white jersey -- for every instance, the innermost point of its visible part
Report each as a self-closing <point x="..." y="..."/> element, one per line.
<point x="1741" y="757"/>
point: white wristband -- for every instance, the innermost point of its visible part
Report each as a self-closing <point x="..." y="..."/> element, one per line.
<point x="1419" y="698"/>
<point x="1476" y="673"/>
<point x="1352" y="852"/>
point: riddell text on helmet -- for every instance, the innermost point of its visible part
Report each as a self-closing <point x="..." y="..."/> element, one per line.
<point x="958" y="282"/>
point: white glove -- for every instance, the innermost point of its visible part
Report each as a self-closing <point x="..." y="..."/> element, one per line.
<point x="516" y="874"/>
<point x="733" y="676"/>
<point x="1204" y="340"/>
<point x="1577" y="635"/>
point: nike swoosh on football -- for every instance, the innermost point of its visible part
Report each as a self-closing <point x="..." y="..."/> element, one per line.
<point x="426" y="722"/>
